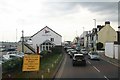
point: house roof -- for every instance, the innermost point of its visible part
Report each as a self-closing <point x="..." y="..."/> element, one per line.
<point x="44" y="28"/>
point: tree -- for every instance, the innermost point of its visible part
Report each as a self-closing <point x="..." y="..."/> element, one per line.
<point x="99" y="46"/>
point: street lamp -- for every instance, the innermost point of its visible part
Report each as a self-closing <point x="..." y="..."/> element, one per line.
<point x="94" y="22"/>
<point x="95" y="34"/>
<point x="22" y="41"/>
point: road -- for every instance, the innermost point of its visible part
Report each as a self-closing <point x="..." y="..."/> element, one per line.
<point x="94" y="69"/>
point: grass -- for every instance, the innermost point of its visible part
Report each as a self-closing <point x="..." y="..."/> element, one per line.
<point x="49" y="62"/>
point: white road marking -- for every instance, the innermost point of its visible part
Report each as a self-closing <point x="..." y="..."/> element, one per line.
<point x="89" y="62"/>
<point x="96" y="69"/>
<point x="106" y="77"/>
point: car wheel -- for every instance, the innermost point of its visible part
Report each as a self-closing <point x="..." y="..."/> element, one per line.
<point x="85" y="64"/>
<point x="73" y="64"/>
<point x="98" y="59"/>
<point x="88" y="57"/>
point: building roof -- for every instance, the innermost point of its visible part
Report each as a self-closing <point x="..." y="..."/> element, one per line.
<point x="44" y="28"/>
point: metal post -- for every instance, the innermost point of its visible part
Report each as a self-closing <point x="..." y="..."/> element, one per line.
<point x="94" y="23"/>
<point x="22" y="41"/>
<point x="95" y="34"/>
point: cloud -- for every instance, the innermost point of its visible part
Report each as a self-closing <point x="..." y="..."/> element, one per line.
<point x="72" y="15"/>
<point x="108" y="9"/>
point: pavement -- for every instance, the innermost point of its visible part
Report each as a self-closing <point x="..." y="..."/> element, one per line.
<point x="110" y="60"/>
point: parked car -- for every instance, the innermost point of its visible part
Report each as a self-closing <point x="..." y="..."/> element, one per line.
<point x="1" y="60"/>
<point x="10" y="56"/>
<point x="20" y="54"/>
<point x="93" y="55"/>
<point x="78" y="59"/>
<point x="84" y="51"/>
<point x="14" y="55"/>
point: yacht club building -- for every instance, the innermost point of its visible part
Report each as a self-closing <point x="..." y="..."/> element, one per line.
<point x="44" y="39"/>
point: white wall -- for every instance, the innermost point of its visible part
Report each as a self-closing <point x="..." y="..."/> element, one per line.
<point x="116" y="51"/>
<point x="112" y="50"/>
<point x="119" y="52"/>
<point x="42" y="36"/>
<point x="109" y="49"/>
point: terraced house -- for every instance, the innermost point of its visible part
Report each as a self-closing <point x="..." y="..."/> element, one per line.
<point x="107" y="34"/>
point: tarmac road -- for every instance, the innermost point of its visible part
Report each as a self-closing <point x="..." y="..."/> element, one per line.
<point x="94" y="69"/>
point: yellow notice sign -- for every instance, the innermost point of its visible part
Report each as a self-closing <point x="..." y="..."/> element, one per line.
<point x="31" y="63"/>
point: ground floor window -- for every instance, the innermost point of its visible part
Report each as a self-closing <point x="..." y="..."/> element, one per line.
<point x="46" y="46"/>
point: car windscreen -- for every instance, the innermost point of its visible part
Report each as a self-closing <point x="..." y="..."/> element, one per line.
<point x="83" y="50"/>
<point x="94" y="53"/>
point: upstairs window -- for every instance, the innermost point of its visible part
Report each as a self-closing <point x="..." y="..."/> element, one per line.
<point x="52" y="39"/>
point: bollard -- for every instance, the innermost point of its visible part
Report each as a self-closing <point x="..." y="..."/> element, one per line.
<point x="42" y="76"/>
<point x="48" y="70"/>
<point x="52" y="65"/>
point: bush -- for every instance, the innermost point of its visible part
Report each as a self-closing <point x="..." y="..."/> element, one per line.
<point x="57" y="50"/>
<point x="99" y="46"/>
<point x="12" y="65"/>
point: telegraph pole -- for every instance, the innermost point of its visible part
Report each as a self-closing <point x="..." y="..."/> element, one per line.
<point x="22" y="41"/>
<point x="95" y="46"/>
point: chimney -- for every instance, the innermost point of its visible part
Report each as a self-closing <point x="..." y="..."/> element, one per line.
<point x="107" y="23"/>
<point x="119" y="28"/>
<point x="98" y="27"/>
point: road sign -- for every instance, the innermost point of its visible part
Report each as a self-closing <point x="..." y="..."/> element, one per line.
<point x="31" y="63"/>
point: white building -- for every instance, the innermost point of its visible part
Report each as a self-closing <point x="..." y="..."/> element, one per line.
<point x="44" y="39"/>
<point x="83" y="38"/>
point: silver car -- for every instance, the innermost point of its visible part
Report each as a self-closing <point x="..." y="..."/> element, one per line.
<point x="94" y="56"/>
<point x="84" y="51"/>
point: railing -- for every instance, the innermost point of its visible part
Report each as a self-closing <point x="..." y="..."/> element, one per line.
<point x="30" y="47"/>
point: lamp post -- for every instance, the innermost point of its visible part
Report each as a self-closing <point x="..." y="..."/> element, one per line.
<point x="22" y="41"/>
<point x="94" y="23"/>
<point x="95" y="34"/>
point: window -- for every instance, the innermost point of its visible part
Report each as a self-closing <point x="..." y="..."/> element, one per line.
<point x="52" y="39"/>
<point x="43" y="47"/>
<point x="47" y="48"/>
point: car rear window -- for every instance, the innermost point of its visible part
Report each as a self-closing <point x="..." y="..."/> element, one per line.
<point x="79" y="57"/>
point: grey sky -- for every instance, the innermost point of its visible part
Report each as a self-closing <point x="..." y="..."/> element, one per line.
<point x="63" y="16"/>
<point x="102" y="8"/>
